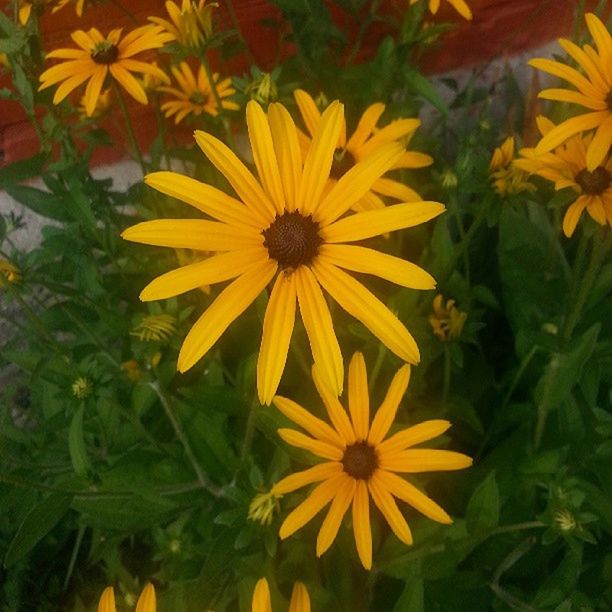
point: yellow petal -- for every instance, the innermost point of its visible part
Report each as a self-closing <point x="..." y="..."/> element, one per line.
<point x="462" y="8"/>
<point x="375" y="222"/>
<point x="600" y="145"/>
<point x="569" y="74"/>
<point x="264" y="155"/>
<point x="358" y="396"/>
<point x="386" y="504"/>
<point x="385" y="415"/>
<point x="414" y="159"/>
<point x="601" y="36"/>
<point x="369" y="261"/>
<point x="329" y="528"/>
<point x="365" y="127"/>
<point x="423" y="460"/>
<point x="317" y="447"/>
<point x="147" y="601"/>
<point x="396" y="190"/>
<point x="228" y="305"/>
<point x="568" y="128"/>
<point x="394" y="131"/>
<point x="361" y="524"/>
<point x="412" y="435"/>
<point x="261" y="601"/>
<point x="308" y="109"/>
<point x="320" y="329"/>
<point x="300" y="600"/>
<point x="573" y="97"/>
<point x="321" y="471"/>
<point x="92" y="91"/>
<point x="107" y="601"/>
<point x="68" y="86"/>
<point x="586" y="63"/>
<point x="365" y="306"/>
<point x="129" y="83"/>
<point x="277" y="329"/>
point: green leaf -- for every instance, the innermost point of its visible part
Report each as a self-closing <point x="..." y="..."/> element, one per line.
<point x="41" y="202"/>
<point x="483" y="508"/>
<point x="22" y="170"/>
<point x="423" y="86"/>
<point x="561" y="582"/>
<point x="41" y="519"/>
<point x="76" y="445"/>
<point x="412" y="597"/>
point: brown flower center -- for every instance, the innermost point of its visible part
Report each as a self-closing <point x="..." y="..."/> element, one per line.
<point x="360" y="460"/>
<point x="105" y="53"/>
<point x="593" y="183"/>
<point x="197" y="97"/>
<point x="292" y="239"/>
<point x="609" y="100"/>
<point x="343" y="162"/>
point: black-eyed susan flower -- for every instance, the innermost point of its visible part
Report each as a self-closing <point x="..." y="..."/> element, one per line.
<point x="99" y="56"/>
<point x="194" y="95"/>
<point x="262" y="602"/>
<point x="286" y="228"/>
<point x="191" y="24"/>
<point x="567" y="166"/>
<point x="507" y="178"/>
<point x="594" y="92"/>
<point x="146" y="602"/>
<point x="9" y="273"/>
<point x="447" y="320"/>
<point x="459" y="5"/>
<point x="360" y="462"/>
<point x="155" y="328"/>
<point x="366" y="139"/>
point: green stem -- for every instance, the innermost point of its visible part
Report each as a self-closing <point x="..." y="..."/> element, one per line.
<point x="130" y="128"/>
<point x="249" y="430"/>
<point x="380" y="357"/>
<point x="73" y="557"/>
<point x="447" y="375"/>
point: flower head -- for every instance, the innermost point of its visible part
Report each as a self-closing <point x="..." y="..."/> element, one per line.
<point x="565" y="520"/>
<point x="446" y="321"/>
<point x="99" y="56"/>
<point x="9" y="273"/>
<point x="507" y="178"/>
<point x="594" y="92"/>
<point x="360" y="462"/>
<point x="82" y="387"/>
<point x="262" y="88"/>
<point x="262" y="602"/>
<point x="263" y="507"/>
<point x="289" y="229"/>
<point x="195" y="95"/>
<point x="459" y="5"/>
<point x="146" y="602"/>
<point x="155" y="328"/>
<point x="366" y="140"/>
<point x="567" y="166"/>
<point x="190" y="25"/>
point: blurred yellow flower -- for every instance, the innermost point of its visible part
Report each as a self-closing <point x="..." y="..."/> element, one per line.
<point x="103" y="104"/>
<point x="565" y="520"/>
<point x="99" y="56"/>
<point x="360" y="462"/>
<point x="507" y="178"/>
<point x="155" y="328"/>
<point x="195" y="96"/>
<point x="459" y="5"/>
<point x="594" y="92"/>
<point x="446" y="321"/>
<point x="9" y="273"/>
<point x="190" y="25"/>
<point x="262" y="89"/>
<point x="131" y="369"/>
<point x="82" y="387"/>
<point x="263" y="507"/>
<point x="566" y="166"/>
<point x="262" y="602"/>
<point x="146" y="602"/>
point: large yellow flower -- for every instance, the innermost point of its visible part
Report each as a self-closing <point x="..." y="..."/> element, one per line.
<point x="287" y="228"/>
<point x="195" y="96"/>
<point x="360" y="462"/>
<point x="567" y="166"/>
<point x="99" y="56"/>
<point x="146" y="602"/>
<point x="365" y="140"/>
<point x="594" y="92"/>
<point x="262" y="602"/>
<point x="190" y="25"/>
<point x="459" y="5"/>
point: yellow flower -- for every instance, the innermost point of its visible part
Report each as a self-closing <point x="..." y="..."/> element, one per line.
<point x="9" y="273"/>
<point x="447" y="321"/>
<point x="287" y="228"/>
<point x="366" y="140"/>
<point x="82" y="387"/>
<point x="262" y="602"/>
<point x="103" y="103"/>
<point x="567" y="166"/>
<point x="565" y="520"/>
<point x="507" y="178"/>
<point x="360" y="462"/>
<point x="263" y="507"/>
<point x="131" y="369"/>
<point x="459" y="5"/>
<point x="155" y="328"/>
<point x="191" y="25"/>
<point x="594" y="92"/>
<point x="98" y="56"/>
<point x="195" y="96"/>
<point x="146" y="602"/>
<point x="262" y="89"/>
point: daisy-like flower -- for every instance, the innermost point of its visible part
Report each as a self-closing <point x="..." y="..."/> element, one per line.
<point x="360" y="462"/>
<point x="146" y="602"/>
<point x="459" y="5"/>
<point x="594" y="92"/>
<point x="288" y="228"/>
<point x="99" y="56"/>
<point x="567" y="166"/>
<point x="262" y="602"/>
<point x="155" y="328"/>
<point x="195" y="95"/>
<point x="447" y="320"/>
<point x="190" y="25"/>
<point x="365" y="140"/>
<point x="507" y="178"/>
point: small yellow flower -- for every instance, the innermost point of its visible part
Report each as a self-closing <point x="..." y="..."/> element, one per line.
<point x="131" y="369"/>
<point x="190" y="25"/>
<point x="195" y="95"/>
<point x="262" y="602"/>
<point x="82" y="387"/>
<point x="103" y="104"/>
<point x="262" y="89"/>
<point x="146" y="602"/>
<point x="594" y="93"/>
<point x="155" y="328"/>
<point x="152" y="82"/>
<point x="263" y="507"/>
<point x="447" y="321"/>
<point x="4" y="60"/>
<point x="459" y="5"/>
<point x="449" y="179"/>
<point x="98" y="57"/>
<point x="565" y="520"/>
<point x="9" y="273"/>
<point x="507" y="178"/>
<point x="360" y="462"/>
